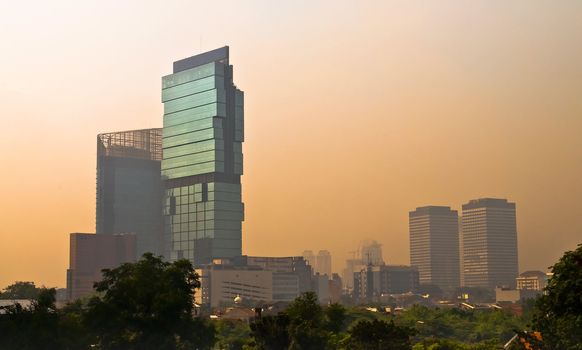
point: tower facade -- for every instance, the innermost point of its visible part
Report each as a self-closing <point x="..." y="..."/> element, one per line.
<point x="489" y="233"/>
<point x="129" y="187"/>
<point x="202" y="159"/>
<point x="434" y="245"/>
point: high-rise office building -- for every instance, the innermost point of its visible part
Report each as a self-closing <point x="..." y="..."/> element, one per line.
<point x="202" y="159"/>
<point x="310" y="258"/>
<point x="129" y="187"/>
<point x="489" y="235"/>
<point x="323" y="263"/>
<point x="434" y="245"/>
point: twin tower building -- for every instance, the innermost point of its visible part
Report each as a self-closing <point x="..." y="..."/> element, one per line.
<point x="177" y="189"/>
<point x="476" y="249"/>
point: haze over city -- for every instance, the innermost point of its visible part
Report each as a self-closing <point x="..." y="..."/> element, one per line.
<point x="354" y="117"/>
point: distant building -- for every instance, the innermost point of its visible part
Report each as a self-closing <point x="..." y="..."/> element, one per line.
<point x="321" y="287"/>
<point x="323" y="265"/>
<point x="255" y="279"/>
<point x="310" y="258"/>
<point x="221" y="283"/>
<point x="371" y="253"/>
<point x="335" y="288"/>
<point x="510" y="295"/>
<point x="375" y="281"/>
<point x="129" y="186"/>
<point x="434" y="246"/>
<point x="489" y="236"/>
<point x="90" y="253"/>
<point x="352" y="265"/>
<point x="532" y="280"/>
<point x="287" y="269"/>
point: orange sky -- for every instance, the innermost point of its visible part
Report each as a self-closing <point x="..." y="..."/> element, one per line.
<point x="356" y="112"/>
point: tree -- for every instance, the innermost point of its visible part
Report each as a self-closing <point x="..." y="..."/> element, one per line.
<point x="379" y="335"/>
<point x="40" y="326"/>
<point x="335" y="317"/>
<point x="306" y="308"/>
<point x="271" y="332"/>
<point x="148" y="305"/>
<point x="232" y="334"/>
<point x="558" y="312"/>
<point x="20" y="290"/>
<point x="304" y="325"/>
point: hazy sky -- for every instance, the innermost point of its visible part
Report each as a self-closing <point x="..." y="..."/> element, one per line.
<point x="356" y="113"/>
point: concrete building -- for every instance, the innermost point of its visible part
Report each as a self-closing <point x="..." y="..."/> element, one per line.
<point x="90" y="253"/>
<point x="532" y="280"/>
<point x="375" y="281"/>
<point x="202" y="160"/>
<point x="221" y="283"/>
<point x="129" y="187"/>
<point x="434" y="246"/>
<point x="489" y="241"/>
<point x="292" y="274"/>
<point x="255" y="279"/>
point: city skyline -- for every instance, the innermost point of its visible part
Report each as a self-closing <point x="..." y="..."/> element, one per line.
<point x="488" y="111"/>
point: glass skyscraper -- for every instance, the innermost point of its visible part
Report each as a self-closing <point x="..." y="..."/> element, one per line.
<point x="202" y="159"/>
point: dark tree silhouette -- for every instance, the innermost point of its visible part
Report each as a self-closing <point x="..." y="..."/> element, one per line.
<point x="558" y="312"/>
<point x="148" y="305"/>
<point x="379" y="335"/>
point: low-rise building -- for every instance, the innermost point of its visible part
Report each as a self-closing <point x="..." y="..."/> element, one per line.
<point x="257" y="280"/>
<point x="90" y="253"/>
<point x="532" y="280"/>
<point x="510" y="295"/>
<point x="375" y="281"/>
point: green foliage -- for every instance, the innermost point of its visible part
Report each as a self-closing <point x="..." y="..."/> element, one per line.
<point x="460" y="325"/>
<point x="148" y="305"/>
<point x="232" y="334"/>
<point x="559" y="310"/>
<point x="20" y="290"/>
<point x="335" y="316"/>
<point x="447" y="344"/>
<point x="271" y="332"/>
<point x="40" y="326"/>
<point x="306" y="308"/>
<point x="304" y="325"/>
<point x="379" y="335"/>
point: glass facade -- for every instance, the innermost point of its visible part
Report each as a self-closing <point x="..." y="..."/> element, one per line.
<point x="202" y="159"/>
